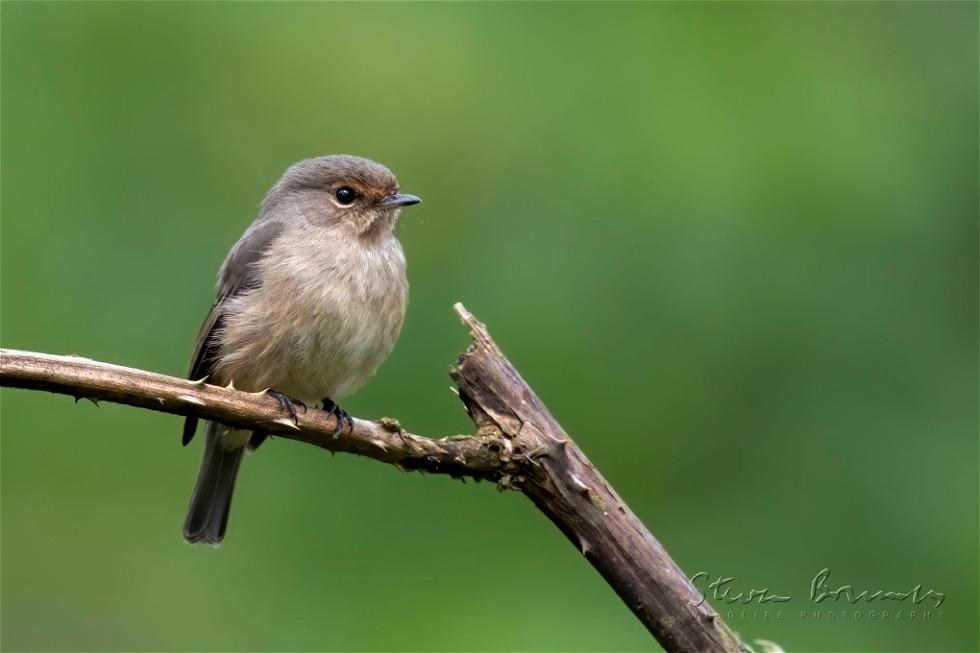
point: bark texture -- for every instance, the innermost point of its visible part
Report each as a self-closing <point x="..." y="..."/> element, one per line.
<point x="518" y="444"/>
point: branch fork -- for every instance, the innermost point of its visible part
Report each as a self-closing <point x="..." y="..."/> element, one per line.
<point x="518" y="445"/>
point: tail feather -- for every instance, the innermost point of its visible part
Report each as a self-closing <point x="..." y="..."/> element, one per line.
<point x="207" y="514"/>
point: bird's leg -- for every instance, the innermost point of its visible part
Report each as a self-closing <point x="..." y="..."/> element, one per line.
<point x="342" y="417"/>
<point x="288" y="404"/>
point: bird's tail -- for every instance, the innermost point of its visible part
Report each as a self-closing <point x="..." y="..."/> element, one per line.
<point x="207" y="514"/>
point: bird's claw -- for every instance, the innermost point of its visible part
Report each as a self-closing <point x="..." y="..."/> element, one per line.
<point x="288" y="404"/>
<point x="343" y="418"/>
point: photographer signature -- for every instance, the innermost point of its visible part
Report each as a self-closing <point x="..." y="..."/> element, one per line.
<point x="723" y="590"/>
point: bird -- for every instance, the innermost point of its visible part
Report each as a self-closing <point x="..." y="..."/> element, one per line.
<point x="310" y="301"/>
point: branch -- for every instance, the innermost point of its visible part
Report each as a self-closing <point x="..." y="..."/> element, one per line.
<point x="518" y="444"/>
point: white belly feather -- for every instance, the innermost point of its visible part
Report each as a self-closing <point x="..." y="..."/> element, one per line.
<point x="321" y="322"/>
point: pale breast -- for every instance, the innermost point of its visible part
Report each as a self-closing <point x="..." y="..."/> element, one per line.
<point x="326" y="315"/>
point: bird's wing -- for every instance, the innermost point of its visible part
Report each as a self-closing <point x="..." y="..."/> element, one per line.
<point x="238" y="274"/>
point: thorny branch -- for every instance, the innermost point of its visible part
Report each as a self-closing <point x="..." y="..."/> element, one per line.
<point x="518" y="444"/>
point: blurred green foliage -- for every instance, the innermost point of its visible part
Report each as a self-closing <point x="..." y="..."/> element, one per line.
<point x="732" y="246"/>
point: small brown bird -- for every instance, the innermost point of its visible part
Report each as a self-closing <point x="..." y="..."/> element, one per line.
<point x="310" y="302"/>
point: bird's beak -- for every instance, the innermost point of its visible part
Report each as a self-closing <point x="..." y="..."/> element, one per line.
<point x="401" y="199"/>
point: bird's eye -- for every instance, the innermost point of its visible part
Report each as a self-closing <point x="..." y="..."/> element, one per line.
<point x="345" y="196"/>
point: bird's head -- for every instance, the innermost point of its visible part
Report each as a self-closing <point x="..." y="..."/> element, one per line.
<point x="357" y="195"/>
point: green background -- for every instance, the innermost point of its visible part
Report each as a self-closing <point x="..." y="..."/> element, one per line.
<point x="732" y="246"/>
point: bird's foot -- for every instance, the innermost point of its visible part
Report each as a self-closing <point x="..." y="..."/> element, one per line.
<point x="288" y="404"/>
<point x="343" y="419"/>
